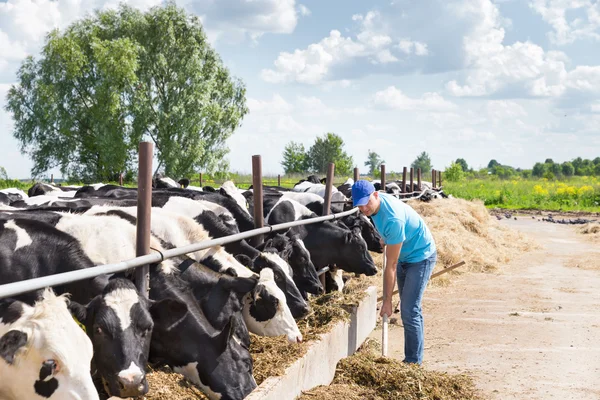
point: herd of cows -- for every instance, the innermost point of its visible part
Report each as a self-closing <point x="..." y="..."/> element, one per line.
<point x="201" y="306"/>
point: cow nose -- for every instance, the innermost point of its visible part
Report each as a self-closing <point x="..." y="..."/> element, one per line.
<point x="132" y="382"/>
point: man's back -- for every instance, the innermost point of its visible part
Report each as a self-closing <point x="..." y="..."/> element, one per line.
<point x="397" y="222"/>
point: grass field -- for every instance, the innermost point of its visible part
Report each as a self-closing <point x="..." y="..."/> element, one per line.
<point x="573" y="194"/>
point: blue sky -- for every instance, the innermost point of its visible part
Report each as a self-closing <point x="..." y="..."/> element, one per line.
<point x="513" y="80"/>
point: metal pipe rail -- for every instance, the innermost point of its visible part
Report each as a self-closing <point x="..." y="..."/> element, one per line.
<point x="16" y="288"/>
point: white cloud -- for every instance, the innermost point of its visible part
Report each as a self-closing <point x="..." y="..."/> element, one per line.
<point x="393" y="98"/>
<point x="277" y="105"/>
<point x="493" y="66"/>
<point x="313" y="64"/>
<point x="303" y="10"/>
<point x="566" y="30"/>
<point x="235" y="20"/>
<point x="408" y="46"/>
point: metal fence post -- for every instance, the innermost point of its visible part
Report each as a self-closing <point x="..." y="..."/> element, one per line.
<point x="257" y="189"/>
<point x="327" y="202"/>
<point x="144" y="209"/>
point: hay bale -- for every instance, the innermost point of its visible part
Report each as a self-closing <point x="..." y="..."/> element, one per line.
<point x="371" y="376"/>
<point x="464" y="230"/>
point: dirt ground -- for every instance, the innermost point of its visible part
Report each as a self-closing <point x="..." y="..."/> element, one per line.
<point x="528" y="331"/>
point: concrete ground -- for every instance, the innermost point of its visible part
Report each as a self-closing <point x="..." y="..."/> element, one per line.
<point x="529" y="331"/>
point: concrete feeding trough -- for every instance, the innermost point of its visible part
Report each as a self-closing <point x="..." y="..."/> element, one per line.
<point x="317" y="366"/>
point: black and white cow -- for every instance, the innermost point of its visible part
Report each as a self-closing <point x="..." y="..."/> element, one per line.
<point x="292" y="250"/>
<point x="337" y="198"/>
<point x="44" y="189"/>
<point x="365" y="228"/>
<point x="213" y="359"/>
<point x="44" y="354"/>
<point x="31" y="248"/>
<point x="327" y="242"/>
<point x="14" y="194"/>
<point x="119" y="323"/>
<point x="178" y="230"/>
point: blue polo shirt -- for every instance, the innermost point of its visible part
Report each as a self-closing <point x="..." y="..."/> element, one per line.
<point x="398" y="222"/>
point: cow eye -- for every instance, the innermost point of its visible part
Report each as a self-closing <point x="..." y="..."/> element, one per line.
<point x="50" y="366"/>
<point x="144" y="332"/>
<point x="98" y="330"/>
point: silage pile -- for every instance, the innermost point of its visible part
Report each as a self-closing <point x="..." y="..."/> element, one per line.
<point x="464" y="230"/>
<point x="368" y="376"/>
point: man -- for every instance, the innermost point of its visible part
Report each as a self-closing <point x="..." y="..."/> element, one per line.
<point x="410" y="257"/>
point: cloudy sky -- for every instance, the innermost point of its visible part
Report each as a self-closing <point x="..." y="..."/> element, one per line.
<point x="513" y="80"/>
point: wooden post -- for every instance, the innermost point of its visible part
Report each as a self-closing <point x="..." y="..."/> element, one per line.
<point x="257" y="188"/>
<point x="356" y="174"/>
<point x="144" y="213"/>
<point x="278" y="180"/>
<point x="327" y="202"/>
<point x="412" y="179"/>
<point x="419" y="179"/>
<point x="440" y="177"/>
<point x="433" y="178"/>
<point x="121" y="179"/>
<point x="51" y="178"/>
<point x="404" y="180"/>
<point x="383" y="177"/>
<point x="200" y="178"/>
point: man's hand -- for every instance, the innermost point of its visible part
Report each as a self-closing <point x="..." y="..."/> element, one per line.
<point x="386" y="308"/>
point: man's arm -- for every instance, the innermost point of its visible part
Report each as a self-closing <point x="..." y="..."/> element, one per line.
<point x="392" y="252"/>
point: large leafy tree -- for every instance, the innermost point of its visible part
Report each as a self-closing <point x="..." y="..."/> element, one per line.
<point x="424" y="162"/>
<point x="294" y="158"/>
<point x="119" y="77"/>
<point x="463" y="164"/>
<point x="329" y="148"/>
<point x="374" y="161"/>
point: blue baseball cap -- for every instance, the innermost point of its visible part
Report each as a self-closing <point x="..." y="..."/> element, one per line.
<point x="361" y="190"/>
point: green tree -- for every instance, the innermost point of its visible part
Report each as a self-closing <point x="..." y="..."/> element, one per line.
<point x="454" y="173"/>
<point x="596" y="161"/>
<point x="556" y="169"/>
<point x="463" y="164"/>
<point x="567" y="169"/>
<point x="374" y="162"/>
<point x="3" y="174"/>
<point x="539" y="170"/>
<point x="294" y="158"/>
<point x="424" y="162"/>
<point x="492" y="164"/>
<point x="326" y="149"/>
<point x="549" y="161"/>
<point x="118" y="77"/>
<point x="597" y="169"/>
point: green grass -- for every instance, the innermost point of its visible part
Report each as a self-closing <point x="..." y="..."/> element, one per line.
<point x="573" y="194"/>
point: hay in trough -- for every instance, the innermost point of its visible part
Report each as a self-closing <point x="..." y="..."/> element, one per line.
<point x="367" y="375"/>
<point x="464" y="230"/>
<point x="168" y="385"/>
<point x="272" y="355"/>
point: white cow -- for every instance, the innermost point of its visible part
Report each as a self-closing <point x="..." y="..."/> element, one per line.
<point x="44" y="354"/>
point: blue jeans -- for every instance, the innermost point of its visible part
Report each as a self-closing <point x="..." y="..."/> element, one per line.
<point x="412" y="280"/>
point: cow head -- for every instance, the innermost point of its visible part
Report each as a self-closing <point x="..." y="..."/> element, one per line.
<point x="267" y="313"/>
<point x="366" y="229"/>
<point x="292" y="249"/>
<point x="44" y="354"/>
<point x="119" y="322"/>
<point x="283" y="277"/>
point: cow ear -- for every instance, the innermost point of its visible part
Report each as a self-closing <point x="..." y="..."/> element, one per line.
<point x="167" y="313"/>
<point x="78" y="311"/>
<point x="10" y="343"/>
